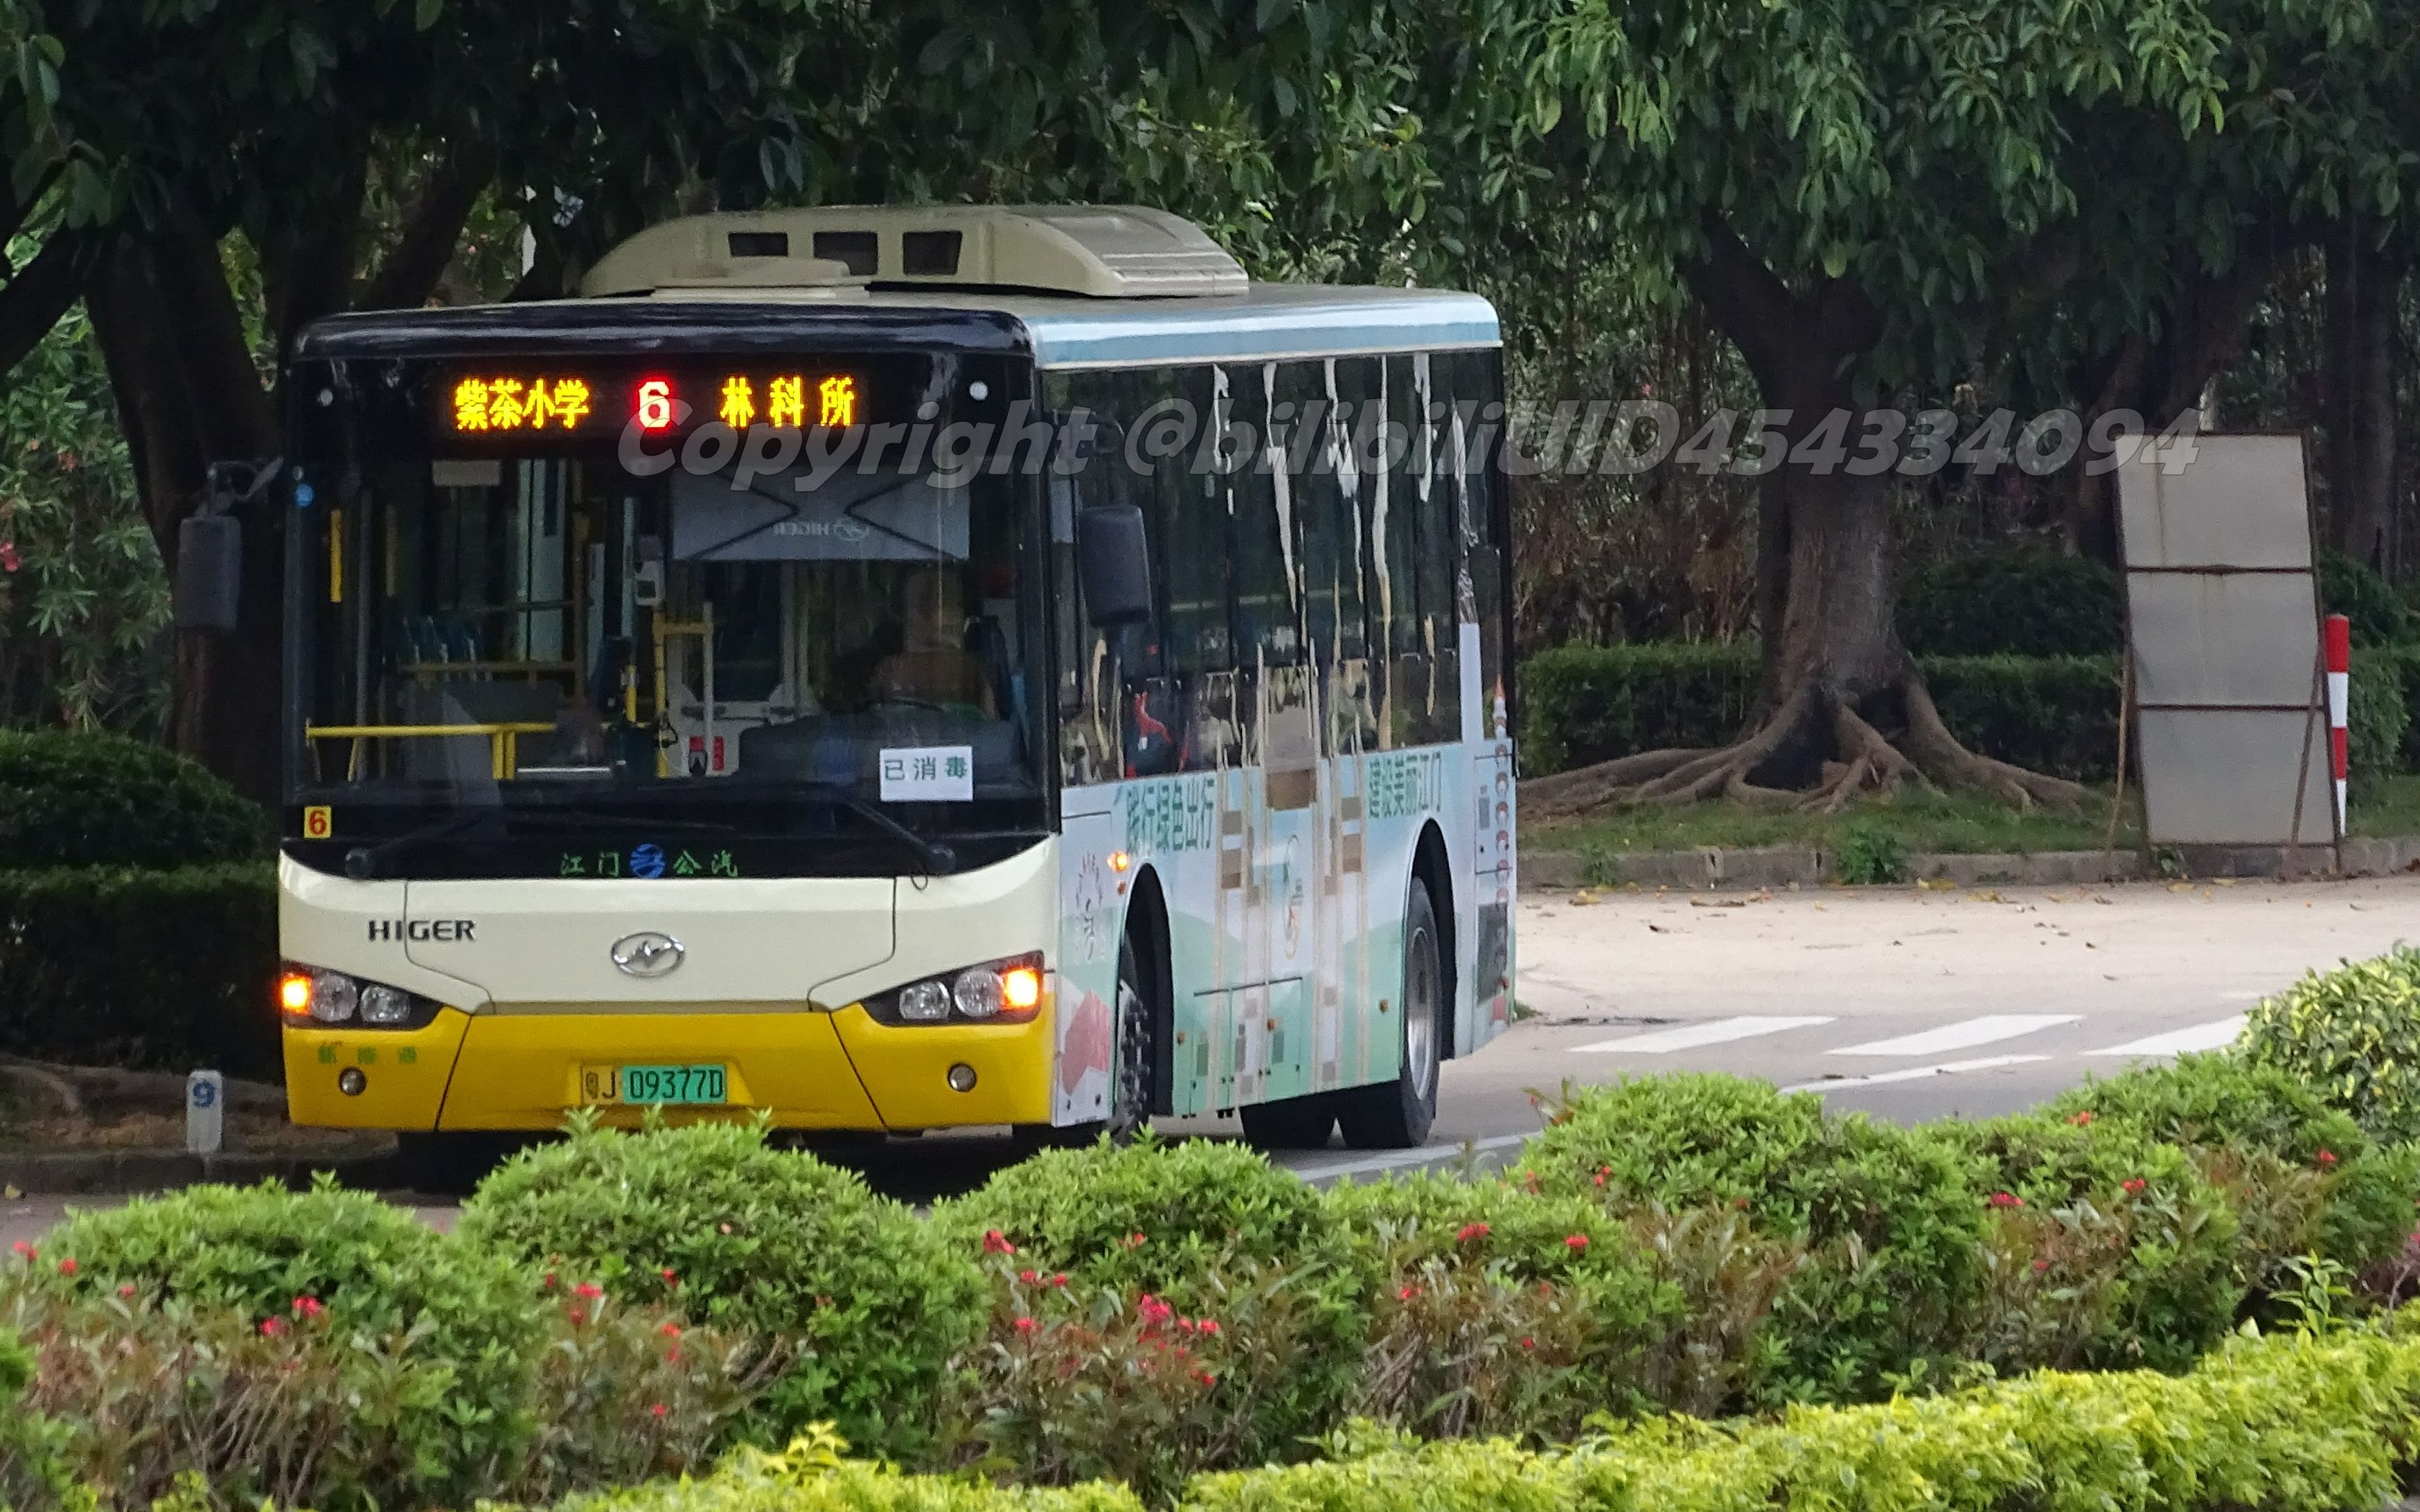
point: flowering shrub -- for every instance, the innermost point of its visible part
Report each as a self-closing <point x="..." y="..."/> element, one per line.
<point x="1192" y="1222"/>
<point x="714" y="1223"/>
<point x="2098" y="1205"/>
<point x="455" y="1326"/>
<point x="1083" y="1383"/>
<point x="1888" y="1214"/>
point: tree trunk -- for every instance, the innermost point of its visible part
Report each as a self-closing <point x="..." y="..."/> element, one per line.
<point x="1834" y="677"/>
<point x="188" y="395"/>
<point x="2359" y="385"/>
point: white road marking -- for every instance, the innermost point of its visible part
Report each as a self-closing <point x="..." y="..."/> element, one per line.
<point x="1915" y="1073"/>
<point x="2215" y="1035"/>
<point x="1318" y="1169"/>
<point x="1692" y="1036"/>
<point x="1963" y="1034"/>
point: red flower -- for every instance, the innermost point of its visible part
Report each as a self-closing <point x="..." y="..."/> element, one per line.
<point x="996" y="1242"/>
<point x="309" y="1306"/>
<point x="1028" y="1277"/>
<point x="669" y="1279"/>
<point x="1545" y="1288"/>
<point x="2041" y="1264"/>
<point x="588" y="1289"/>
<point x="1407" y="1293"/>
<point x="2327" y="1157"/>
<point x="127" y="1290"/>
<point x="672" y="1356"/>
<point x="1027" y="1325"/>
<point x="1575" y="1242"/>
<point x="2082" y="1118"/>
<point x="2006" y="1199"/>
<point x="2132" y="1185"/>
<point x="1473" y="1233"/>
<point x="580" y="1314"/>
<point x="24" y="1251"/>
<point x="671" y="1329"/>
<point x="1599" y="1178"/>
<point x="1205" y="1378"/>
<point x="549" y="1282"/>
<point x="659" y="1410"/>
<point x="1135" y="1241"/>
<point x="1059" y="1280"/>
<point x="1528" y="1343"/>
<point x="1208" y="1325"/>
<point x="1152" y="1310"/>
<point x="67" y="1266"/>
<point x="272" y="1326"/>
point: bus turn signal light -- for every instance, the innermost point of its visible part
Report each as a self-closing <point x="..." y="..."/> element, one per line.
<point x="294" y="993"/>
<point x="1020" y="988"/>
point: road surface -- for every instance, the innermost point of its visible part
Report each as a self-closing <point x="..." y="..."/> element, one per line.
<point x="1908" y="1004"/>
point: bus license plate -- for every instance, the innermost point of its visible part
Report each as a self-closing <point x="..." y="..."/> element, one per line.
<point x="691" y="1084"/>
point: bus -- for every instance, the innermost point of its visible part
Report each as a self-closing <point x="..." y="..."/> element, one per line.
<point x="887" y="670"/>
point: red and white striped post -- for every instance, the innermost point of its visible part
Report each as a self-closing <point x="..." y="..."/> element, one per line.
<point x="2339" y="689"/>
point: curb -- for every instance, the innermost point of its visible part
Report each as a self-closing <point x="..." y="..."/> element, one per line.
<point x="1805" y="867"/>
<point x="138" y="1170"/>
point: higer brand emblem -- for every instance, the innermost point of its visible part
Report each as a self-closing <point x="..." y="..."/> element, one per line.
<point x="649" y="953"/>
<point x="422" y="930"/>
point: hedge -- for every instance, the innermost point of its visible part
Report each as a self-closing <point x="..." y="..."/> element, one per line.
<point x="1590" y="703"/>
<point x="2057" y="714"/>
<point x="84" y="799"/>
<point x="2289" y="1423"/>
<point x="158" y="970"/>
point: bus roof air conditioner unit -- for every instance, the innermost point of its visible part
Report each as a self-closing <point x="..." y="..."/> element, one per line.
<point x="1103" y="252"/>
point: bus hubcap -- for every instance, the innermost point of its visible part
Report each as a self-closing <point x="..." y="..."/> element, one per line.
<point x="1420" y="1011"/>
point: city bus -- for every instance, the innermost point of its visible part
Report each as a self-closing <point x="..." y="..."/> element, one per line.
<point x="886" y="670"/>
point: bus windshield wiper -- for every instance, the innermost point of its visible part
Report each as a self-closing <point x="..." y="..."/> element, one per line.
<point x="938" y="858"/>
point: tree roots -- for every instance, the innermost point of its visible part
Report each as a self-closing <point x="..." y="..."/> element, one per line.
<point x="1926" y="755"/>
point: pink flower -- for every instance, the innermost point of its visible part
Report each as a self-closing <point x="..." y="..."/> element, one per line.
<point x="24" y="1251"/>
<point x="126" y="1290"/>
<point x="589" y="1290"/>
<point x="669" y="1279"/>
<point x="1208" y="1325"/>
<point x="1153" y="1310"/>
<point x="2006" y="1199"/>
<point x="1027" y="1325"/>
<point x="1575" y="1242"/>
<point x="1028" y="1277"/>
<point x="659" y="1410"/>
<point x="669" y="1330"/>
<point x="1473" y="1233"/>
<point x="2327" y="1157"/>
<point x="309" y="1306"/>
<point x="67" y="1266"/>
<point x="996" y="1242"/>
<point x="272" y="1327"/>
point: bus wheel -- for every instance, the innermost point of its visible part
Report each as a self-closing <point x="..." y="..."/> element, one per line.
<point x="1294" y="1124"/>
<point x="450" y="1163"/>
<point x="1130" y="1070"/>
<point x="1397" y="1115"/>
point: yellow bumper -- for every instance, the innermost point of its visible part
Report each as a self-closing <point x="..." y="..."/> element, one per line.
<point x="840" y="1071"/>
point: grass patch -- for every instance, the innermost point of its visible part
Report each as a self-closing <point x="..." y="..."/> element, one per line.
<point x="1953" y="823"/>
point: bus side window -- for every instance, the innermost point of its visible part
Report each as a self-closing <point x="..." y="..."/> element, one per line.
<point x="1192" y="521"/>
<point x="1328" y="490"/>
<point x="1268" y="625"/>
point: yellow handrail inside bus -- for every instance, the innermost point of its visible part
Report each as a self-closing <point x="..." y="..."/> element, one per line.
<point x="503" y="739"/>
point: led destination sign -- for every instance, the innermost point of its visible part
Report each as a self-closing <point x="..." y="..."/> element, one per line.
<point x="501" y="403"/>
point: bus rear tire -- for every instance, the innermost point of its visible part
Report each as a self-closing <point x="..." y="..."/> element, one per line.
<point x="1397" y="1115"/>
<point x="1292" y="1124"/>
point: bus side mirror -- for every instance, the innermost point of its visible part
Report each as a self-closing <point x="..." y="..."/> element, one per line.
<point x="1113" y="557"/>
<point x="209" y="572"/>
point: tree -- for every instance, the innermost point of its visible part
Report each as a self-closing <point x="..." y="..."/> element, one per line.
<point x="349" y="147"/>
<point x="1843" y="186"/>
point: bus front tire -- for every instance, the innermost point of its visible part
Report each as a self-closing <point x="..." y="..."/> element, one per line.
<point x="1132" y="1045"/>
<point x="1397" y="1115"/>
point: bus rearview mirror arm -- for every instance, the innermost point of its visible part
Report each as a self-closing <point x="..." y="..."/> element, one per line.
<point x="209" y="545"/>
<point x="1114" y="559"/>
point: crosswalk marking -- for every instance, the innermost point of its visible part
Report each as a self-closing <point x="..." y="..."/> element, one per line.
<point x="1913" y="1072"/>
<point x="1692" y="1036"/>
<point x="2215" y="1035"/>
<point x="1963" y="1034"/>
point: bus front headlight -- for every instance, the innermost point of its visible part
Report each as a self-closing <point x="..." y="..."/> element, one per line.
<point x="1008" y="990"/>
<point x="312" y="996"/>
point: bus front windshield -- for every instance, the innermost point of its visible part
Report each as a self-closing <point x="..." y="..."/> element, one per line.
<point x="780" y="641"/>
